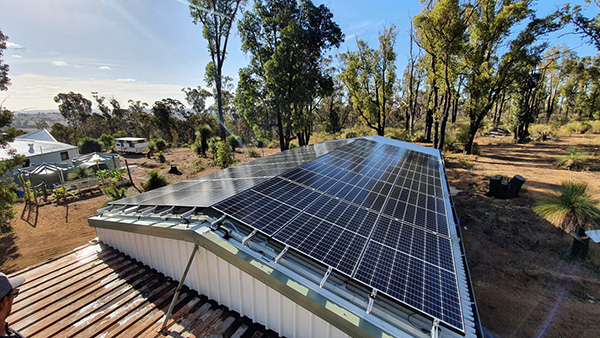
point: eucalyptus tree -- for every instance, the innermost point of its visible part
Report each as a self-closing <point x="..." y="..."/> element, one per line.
<point x="552" y="79"/>
<point x="76" y="109"/>
<point x="441" y="32"/>
<point x="588" y="28"/>
<point x="411" y="83"/>
<point x="369" y="75"/>
<point x="286" y="41"/>
<point x="488" y="71"/>
<point x="217" y="18"/>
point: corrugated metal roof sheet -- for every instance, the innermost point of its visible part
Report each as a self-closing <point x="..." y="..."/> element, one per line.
<point x="97" y="291"/>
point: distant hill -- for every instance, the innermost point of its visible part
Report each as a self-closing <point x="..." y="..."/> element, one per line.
<point x="33" y="120"/>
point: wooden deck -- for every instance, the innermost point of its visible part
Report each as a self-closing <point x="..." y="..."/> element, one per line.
<point x="95" y="291"/>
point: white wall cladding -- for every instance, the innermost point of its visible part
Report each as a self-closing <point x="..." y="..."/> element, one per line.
<point x="223" y="282"/>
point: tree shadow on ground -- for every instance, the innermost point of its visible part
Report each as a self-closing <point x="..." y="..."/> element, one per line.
<point x="8" y="252"/>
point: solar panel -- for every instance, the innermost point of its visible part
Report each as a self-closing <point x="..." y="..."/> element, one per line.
<point x="372" y="211"/>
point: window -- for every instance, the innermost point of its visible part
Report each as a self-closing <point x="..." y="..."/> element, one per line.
<point x="64" y="155"/>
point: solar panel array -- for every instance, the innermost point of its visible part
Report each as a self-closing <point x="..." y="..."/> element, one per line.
<point x="372" y="211"/>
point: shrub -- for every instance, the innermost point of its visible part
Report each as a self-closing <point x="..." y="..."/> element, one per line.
<point x="113" y="192"/>
<point x="574" y="161"/>
<point x="351" y="134"/>
<point x="89" y="145"/>
<point x="79" y="172"/>
<point x="161" y="156"/>
<point x="159" y="143"/>
<point x="250" y="152"/>
<point x="575" y="127"/>
<point x="234" y="141"/>
<point x="197" y="148"/>
<point x="107" y="141"/>
<point x="224" y="157"/>
<point x="155" y="180"/>
<point x="292" y="145"/>
<point x="197" y="167"/>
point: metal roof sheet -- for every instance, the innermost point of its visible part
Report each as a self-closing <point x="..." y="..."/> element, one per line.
<point x="97" y="291"/>
<point x="22" y="147"/>
<point x="38" y="135"/>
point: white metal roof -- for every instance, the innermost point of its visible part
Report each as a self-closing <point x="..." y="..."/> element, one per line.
<point x="31" y="148"/>
<point x="38" y="135"/>
<point x="130" y="139"/>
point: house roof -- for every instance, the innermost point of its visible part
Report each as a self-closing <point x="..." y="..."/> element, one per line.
<point x="31" y="148"/>
<point x="130" y="139"/>
<point x="350" y="193"/>
<point x="38" y="135"/>
<point x="97" y="291"/>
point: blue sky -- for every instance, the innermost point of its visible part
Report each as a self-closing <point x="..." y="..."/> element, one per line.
<point x="150" y="49"/>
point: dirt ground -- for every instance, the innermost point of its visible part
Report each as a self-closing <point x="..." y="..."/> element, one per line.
<point x="525" y="283"/>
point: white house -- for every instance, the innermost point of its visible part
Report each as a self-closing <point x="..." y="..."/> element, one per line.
<point x="131" y="144"/>
<point x="39" y="147"/>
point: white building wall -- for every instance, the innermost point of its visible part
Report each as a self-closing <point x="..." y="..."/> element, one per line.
<point x="223" y="282"/>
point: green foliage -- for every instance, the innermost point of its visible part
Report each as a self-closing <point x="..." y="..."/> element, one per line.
<point x="107" y="141"/>
<point x="76" y="109"/>
<point x="224" y="155"/>
<point x="197" y="167"/>
<point x="217" y="18"/>
<point x="89" y="145"/>
<point x="574" y="161"/>
<point x="113" y="192"/>
<point x="118" y="175"/>
<point x="369" y="76"/>
<point x="154" y="180"/>
<point x="351" y="134"/>
<point x="292" y="145"/>
<point x="159" y="144"/>
<point x="569" y="207"/>
<point x="251" y="152"/>
<point x="234" y="141"/>
<point x="286" y="41"/>
<point x="161" y="157"/>
<point x="197" y="148"/>
<point x="79" y="172"/>
<point x="4" y="80"/>
<point x="576" y="127"/>
<point x="59" y="194"/>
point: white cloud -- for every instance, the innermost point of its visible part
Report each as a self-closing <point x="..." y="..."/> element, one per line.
<point x="17" y="56"/>
<point x="53" y="53"/>
<point x="126" y="80"/>
<point x="104" y="68"/>
<point x="12" y="45"/>
<point x="59" y="63"/>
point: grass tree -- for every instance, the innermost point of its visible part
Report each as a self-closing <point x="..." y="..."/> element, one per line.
<point x="155" y="180"/>
<point x="571" y="208"/>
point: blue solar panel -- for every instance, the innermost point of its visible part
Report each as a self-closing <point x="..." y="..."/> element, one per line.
<point x="372" y="211"/>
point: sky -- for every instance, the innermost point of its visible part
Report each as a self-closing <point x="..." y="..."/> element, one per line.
<point x="150" y="49"/>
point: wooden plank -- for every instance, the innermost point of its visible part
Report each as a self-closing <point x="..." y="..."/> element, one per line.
<point x="38" y="272"/>
<point x="137" y="317"/>
<point x="191" y="318"/>
<point x="153" y="330"/>
<point x="65" y="288"/>
<point x="64" y="273"/>
<point x="240" y="331"/>
<point x="109" y="309"/>
<point x="220" y="329"/>
<point x="153" y="319"/>
<point x="57" y="310"/>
